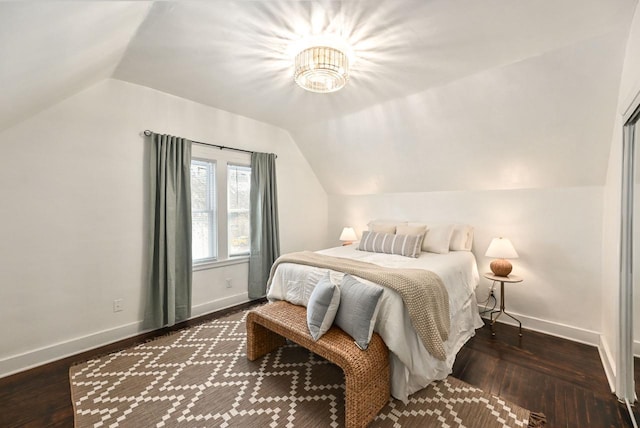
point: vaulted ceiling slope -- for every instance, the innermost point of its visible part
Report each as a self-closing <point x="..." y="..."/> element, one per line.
<point x="51" y="50"/>
<point x="444" y="94"/>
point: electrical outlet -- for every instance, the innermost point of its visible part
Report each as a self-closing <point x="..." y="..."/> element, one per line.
<point x="229" y="285"/>
<point x="117" y="305"/>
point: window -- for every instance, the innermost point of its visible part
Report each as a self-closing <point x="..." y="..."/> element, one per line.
<point x="238" y="188"/>
<point x="203" y="210"/>
<point x="220" y="187"/>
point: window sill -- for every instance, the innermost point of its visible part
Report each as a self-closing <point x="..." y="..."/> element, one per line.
<point x="220" y="263"/>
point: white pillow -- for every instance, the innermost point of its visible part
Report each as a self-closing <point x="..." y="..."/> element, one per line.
<point x="322" y="307"/>
<point x="385" y="226"/>
<point x="382" y="228"/>
<point x="461" y="238"/>
<point x="402" y="229"/>
<point x="437" y="238"/>
<point x="469" y="240"/>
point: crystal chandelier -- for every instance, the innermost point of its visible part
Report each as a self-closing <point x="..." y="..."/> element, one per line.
<point x="321" y="69"/>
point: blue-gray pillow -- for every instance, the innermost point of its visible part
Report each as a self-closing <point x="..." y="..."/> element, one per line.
<point x="322" y="307"/>
<point x="358" y="309"/>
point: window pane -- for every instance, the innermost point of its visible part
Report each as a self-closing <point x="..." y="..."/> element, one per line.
<point x="201" y="239"/>
<point x="200" y="173"/>
<point x="239" y="186"/>
<point x="203" y="210"/>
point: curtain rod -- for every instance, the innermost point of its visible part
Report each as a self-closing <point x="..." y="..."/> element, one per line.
<point x="148" y="133"/>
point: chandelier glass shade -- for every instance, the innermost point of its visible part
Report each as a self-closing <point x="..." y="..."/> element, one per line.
<point x="321" y="69"/>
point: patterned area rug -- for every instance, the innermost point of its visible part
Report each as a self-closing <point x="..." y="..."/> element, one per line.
<point x="200" y="377"/>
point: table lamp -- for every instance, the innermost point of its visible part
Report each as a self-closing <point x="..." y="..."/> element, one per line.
<point x="501" y="249"/>
<point x="348" y="235"/>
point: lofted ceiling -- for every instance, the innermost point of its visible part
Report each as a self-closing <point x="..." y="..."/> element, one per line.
<point x="443" y="95"/>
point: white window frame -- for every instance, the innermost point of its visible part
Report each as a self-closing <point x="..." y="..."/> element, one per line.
<point x="222" y="158"/>
<point x="213" y="209"/>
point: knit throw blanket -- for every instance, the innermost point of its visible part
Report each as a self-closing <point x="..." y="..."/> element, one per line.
<point x="422" y="291"/>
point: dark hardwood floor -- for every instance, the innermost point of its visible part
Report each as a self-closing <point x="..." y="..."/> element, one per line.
<point x="560" y="378"/>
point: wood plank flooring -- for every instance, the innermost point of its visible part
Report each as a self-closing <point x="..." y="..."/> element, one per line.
<point x="560" y="378"/>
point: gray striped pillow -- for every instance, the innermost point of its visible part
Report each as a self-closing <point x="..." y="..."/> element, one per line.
<point x="390" y="243"/>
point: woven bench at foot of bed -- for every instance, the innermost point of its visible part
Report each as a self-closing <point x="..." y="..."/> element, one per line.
<point x="366" y="372"/>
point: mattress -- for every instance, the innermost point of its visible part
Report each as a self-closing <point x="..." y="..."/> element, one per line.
<point x="412" y="366"/>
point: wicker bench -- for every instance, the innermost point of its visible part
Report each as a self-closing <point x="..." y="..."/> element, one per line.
<point x="366" y="372"/>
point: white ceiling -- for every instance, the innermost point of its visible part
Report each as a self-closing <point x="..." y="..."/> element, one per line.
<point x="51" y="50"/>
<point x="444" y="94"/>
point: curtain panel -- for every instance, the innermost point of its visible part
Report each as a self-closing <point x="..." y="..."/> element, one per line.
<point x="265" y="236"/>
<point x="169" y="206"/>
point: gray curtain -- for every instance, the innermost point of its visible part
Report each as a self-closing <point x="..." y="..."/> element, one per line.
<point x="265" y="237"/>
<point x="169" y="290"/>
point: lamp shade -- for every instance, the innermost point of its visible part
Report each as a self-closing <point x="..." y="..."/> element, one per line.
<point x="501" y="248"/>
<point x="348" y="234"/>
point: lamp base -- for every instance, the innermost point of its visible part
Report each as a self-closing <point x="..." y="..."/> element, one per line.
<point x="501" y="267"/>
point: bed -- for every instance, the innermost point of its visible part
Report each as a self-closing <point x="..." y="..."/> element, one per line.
<point x="412" y="366"/>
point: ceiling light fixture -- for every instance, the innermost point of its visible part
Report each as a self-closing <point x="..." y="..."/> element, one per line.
<point x="321" y="69"/>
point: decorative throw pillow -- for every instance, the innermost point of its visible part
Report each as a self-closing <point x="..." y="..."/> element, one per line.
<point x="437" y="239"/>
<point x="359" y="304"/>
<point x="461" y="237"/>
<point x="404" y="229"/>
<point x="390" y="243"/>
<point x="469" y="243"/>
<point x="322" y="307"/>
<point x="385" y="226"/>
<point x="382" y="228"/>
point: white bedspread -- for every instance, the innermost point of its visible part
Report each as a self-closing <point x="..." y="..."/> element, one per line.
<point x="412" y="367"/>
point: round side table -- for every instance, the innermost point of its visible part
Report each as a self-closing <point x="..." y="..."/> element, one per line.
<point x="502" y="280"/>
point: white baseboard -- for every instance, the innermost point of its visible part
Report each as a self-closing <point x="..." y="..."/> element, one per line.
<point x="217" y="305"/>
<point x="575" y="334"/>
<point x="37" y="357"/>
<point x="563" y="331"/>
<point x="19" y="362"/>
<point x="608" y="363"/>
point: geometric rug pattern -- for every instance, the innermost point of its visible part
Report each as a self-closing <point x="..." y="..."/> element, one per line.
<point x="200" y="377"/>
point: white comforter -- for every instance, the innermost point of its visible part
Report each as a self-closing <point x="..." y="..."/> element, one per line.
<point x="412" y="367"/>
